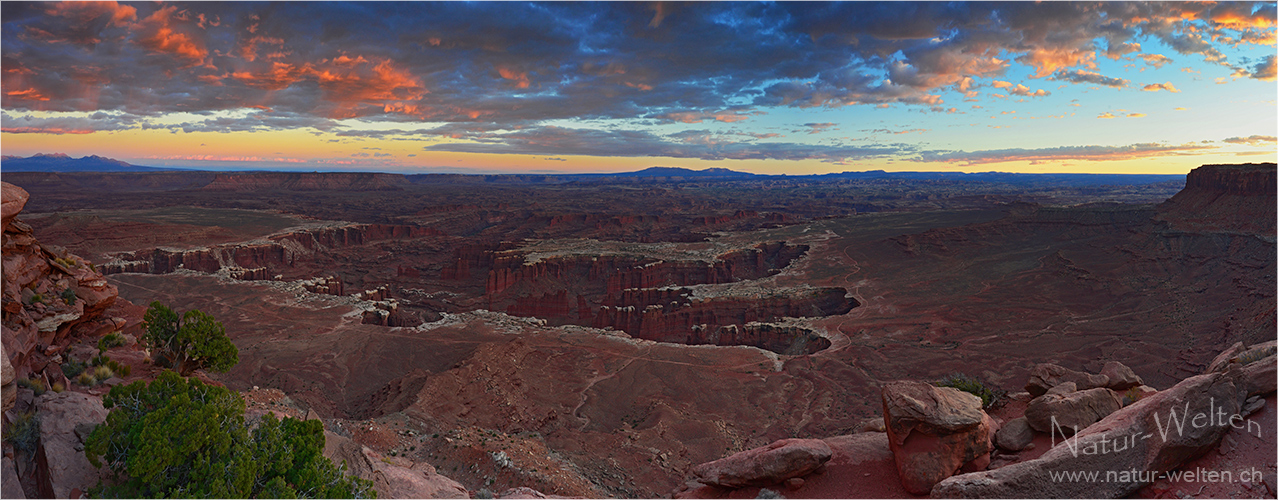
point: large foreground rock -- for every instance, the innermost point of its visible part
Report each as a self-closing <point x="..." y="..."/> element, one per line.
<point x="62" y="466"/>
<point x="1071" y="412"/>
<point x="766" y="465"/>
<point x="1156" y="433"/>
<point x="1015" y="435"/>
<point x="391" y="480"/>
<point x="12" y="199"/>
<point x="933" y="432"/>
<point x="1046" y="376"/>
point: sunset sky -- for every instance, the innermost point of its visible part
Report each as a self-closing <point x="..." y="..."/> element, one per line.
<point x="793" y="88"/>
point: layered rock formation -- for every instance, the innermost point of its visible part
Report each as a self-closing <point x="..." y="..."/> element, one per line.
<point x="277" y="252"/>
<point x="49" y="296"/>
<point x="1225" y="198"/>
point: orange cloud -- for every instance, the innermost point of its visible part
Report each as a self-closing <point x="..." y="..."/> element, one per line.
<point x="158" y="33"/>
<point x="1135" y="115"/>
<point x="1156" y="60"/>
<point x="1155" y="87"/>
<point x="725" y="116"/>
<point x="249" y="49"/>
<point x="1047" y="61"/>
<point x="520" y="78"/>
<point x="1106" y="115"/>
<point x="27" y="95"/>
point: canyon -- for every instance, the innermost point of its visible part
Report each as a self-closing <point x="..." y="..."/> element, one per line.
<point x="606" y="336"/>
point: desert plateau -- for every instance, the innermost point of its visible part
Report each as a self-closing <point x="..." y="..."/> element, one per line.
<point x="625" y="249"/>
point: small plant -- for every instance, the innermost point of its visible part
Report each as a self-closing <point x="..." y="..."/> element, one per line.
<point x="113" y="339"/>
<point x="973" y="386"/>
<point x="71" y="368"/>
<point x="67" y="263"/>
<point x="36" y="385"/>
<point x="99" y="360"/>
<point x="68" y="296"/>
<point x="86" y="379"/>
<point x="768" y="493"/>
<point x="37" y="299"/>
<point x="58" y="387"/>
<point x="24" y="432"/>
<point x="102" y="373"/>
<point x="484" y="493"/>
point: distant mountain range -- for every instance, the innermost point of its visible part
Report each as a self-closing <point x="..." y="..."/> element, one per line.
<point x="59" y="162"/>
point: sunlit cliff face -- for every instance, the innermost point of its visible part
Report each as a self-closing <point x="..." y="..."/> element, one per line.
<point x="770" y="88"/>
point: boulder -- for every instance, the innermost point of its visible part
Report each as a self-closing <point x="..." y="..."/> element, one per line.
<point x="1015" y="435"/>
<point x="1116" y="448"/>
<point x="765" y="465"/>
<point x="1071" y="412"/>
<point x="1120" y="376"/>
<point x="1046" y="376"/>
<point x="522" y="492"/>
<point x="933" y="432"/>
<point x="12" y="199"/>
<point x="60" y="456"/>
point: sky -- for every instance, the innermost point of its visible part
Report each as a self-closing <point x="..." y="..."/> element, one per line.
<point x="772" y="88"/>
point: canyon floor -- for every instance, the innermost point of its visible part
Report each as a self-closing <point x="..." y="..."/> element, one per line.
<point x="601" y="338"/>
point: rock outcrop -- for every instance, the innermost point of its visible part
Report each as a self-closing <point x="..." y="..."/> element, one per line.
<point x="1131" y="446"/>
<point x="12" y="199"/>
<point x="1225" y="198"/>
<point x="47" y="293"/>
<point x="768" y="465"/>
<point x="61" y="466"/>
<point x="934" y="431"/>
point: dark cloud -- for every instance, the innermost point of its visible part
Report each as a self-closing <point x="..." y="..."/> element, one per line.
<point x="520" y="64"/>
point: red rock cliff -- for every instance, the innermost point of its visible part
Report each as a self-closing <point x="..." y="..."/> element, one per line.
<point x="1225" y="198"/>
<point x="49" y="296"/>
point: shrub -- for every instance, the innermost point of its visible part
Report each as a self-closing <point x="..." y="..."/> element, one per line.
<point x="37" y="298"/>
<point x="190" y="342"/>
<point x="24" y="432"/>
<point x="71" y="368"/>
<point x="86" y="379"/>
<point x="768" y="493"/>
<point x="68" y="296"/>
<point x="973" y="386"/>
<point x="102" y="373"/>
<point x="179" y="437"/>
<point x="113" y="339"/>
<point x="58" y="387"/>
<point x="36" y="385"/>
